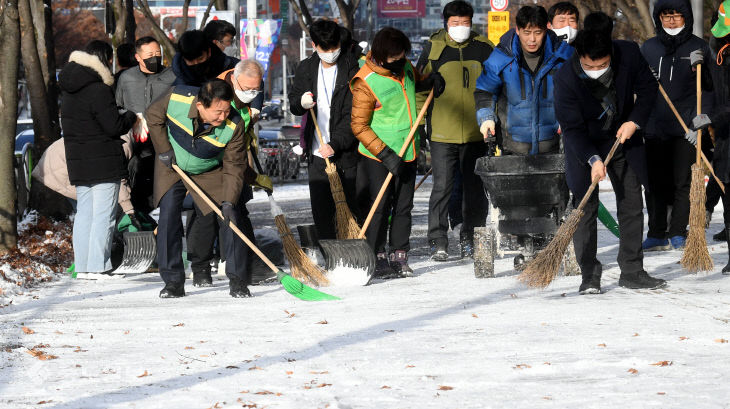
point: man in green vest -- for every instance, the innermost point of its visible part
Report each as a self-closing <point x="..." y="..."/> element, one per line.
<point x="457" y="53"/>
<point x="196" y="129"/>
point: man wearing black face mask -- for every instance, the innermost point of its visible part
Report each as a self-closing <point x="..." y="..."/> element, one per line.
<point x="198" y="60"/>
<point x="136" y="89"/>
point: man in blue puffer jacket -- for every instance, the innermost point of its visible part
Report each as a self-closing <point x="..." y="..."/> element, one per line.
<point x="519" y="74"/>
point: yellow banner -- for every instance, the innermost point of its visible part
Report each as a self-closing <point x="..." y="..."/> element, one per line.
<point x="497" y="25"/>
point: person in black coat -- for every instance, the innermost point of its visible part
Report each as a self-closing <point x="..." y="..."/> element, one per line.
<point x="594" y="104"/>
<point x="673" y="55"/>
<point x="322" y="82"/>
<point x="92" y="127"/>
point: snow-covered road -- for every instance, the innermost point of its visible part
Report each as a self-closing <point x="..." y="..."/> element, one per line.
<point x="442" y="339"/>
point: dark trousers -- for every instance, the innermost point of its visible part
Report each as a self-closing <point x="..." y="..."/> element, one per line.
<point x="396" y="205"/>
<point x="169" y="241"/>
<point x="669" y="164"/>
<point x="445" y="157"/>
<point x="629" y="202"/>
<point x="323" y="205"/>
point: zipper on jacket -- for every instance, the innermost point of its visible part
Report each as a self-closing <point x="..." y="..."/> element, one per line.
<point x="660" y="67"/>
<point x="671" y="70"/>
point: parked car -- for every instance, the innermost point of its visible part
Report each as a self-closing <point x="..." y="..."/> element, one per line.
<point x="272" y="110"/>
<point x="276" y="152"/>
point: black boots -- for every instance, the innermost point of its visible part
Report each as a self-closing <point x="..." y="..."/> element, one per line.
<point x="173" y="290"/>
<point x="202" y="279"/>
<point x="591" y="283"/>
<point x="238" y="288"/>
<point x="641" y="280"/>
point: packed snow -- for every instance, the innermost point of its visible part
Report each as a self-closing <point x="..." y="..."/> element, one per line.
<point x="442" y="339"/>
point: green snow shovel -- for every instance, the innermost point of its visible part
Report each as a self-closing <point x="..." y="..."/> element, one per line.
<point x="290" y="284"/>
<point x="605" y="217"/>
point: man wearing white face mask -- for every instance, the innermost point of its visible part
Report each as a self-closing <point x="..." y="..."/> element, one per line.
<point x="321" y="83"/>
<point x="673" y="55"/>
<point x="563" y="20"/>
<point x="603" y="93"/>
<point x="457" y="53"/>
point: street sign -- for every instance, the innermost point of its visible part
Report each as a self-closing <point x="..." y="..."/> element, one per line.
<point x="497" y="25"/>
<point x="499" y="5"/>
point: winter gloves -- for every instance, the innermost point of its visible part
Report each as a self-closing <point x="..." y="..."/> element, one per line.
<point x="264" y="182"/>
<point x="391" y="160"/>
<point x="435" y="81"/>
<point x="696" y="57"/>
<point x="140" y="131"/>
<point x="167" y="158"/>
<point x="691" y="137"/>
<point x="229" y="213"/>
<point x="307" y="100"/>
<point x="701" y="121"/>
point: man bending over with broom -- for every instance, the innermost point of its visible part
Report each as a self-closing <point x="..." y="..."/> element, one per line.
<point x="606" y="92"/>
<point x="196" y="129"/>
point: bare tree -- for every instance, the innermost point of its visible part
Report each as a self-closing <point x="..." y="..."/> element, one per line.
<point x="206" y="14"/>
<point x="10" y="38"/>
<point x="347" y="10"/>
<point x="157" y="32"/>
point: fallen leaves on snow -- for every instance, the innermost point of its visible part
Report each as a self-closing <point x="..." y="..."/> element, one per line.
<point x="323" y="322"/>
<point x="602" y="345"/>
<point x="633" y="371"/>
<point x="521" y="366"/>
<point x="255" y="368"/>
<point x="181" y="324"/>
<point x="683" y="338"/>
<point x="289" y="314"/>
<point x="663" y="363"/>
<point x="445" y="388"/>
<point x="475" y="316"/>
<point x="385" y="387"/>
<point x="40" y="354"/>
<point x="28" y="330"/>
<point x="144" y="374"/>
<point x="721" y="341"/>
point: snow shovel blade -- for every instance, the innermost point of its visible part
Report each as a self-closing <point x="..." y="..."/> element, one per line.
<point x="354" y="253"/>
<point x="140" y="251"/>
<point x="301" y="291"/>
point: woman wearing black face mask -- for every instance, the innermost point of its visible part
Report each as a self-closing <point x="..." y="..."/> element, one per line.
<point x="383" y="111"/>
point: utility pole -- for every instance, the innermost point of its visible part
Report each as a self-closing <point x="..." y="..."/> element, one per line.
<point x="251" y="30"/>
<point x="233" y="5"/>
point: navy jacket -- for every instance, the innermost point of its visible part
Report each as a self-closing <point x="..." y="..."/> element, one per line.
<point x="668" y="57"/>
<point x="580" y="115"/>
<point x="530" y="114"/>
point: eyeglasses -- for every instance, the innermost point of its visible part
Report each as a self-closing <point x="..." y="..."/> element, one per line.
<point x="671" y="17"/>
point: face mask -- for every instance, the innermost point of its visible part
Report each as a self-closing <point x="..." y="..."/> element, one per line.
<point x="153" y="64"/>
<point x="200" y="69"/>
<point x="596" y="74"/>
<point x="459" y="33"/>
<point x="396" y="67"/>
<point x="246" y="96"/>
<point x="566" y="33"/>
<point x="329" y="57"/>
<point x="673" y="31"/>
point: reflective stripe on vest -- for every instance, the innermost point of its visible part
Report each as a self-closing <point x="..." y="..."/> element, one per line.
<point x="196" y="155"/>
<point x="393" y="120"/>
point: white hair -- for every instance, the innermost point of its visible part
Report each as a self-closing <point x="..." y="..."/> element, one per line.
<point x="249" y="67"/>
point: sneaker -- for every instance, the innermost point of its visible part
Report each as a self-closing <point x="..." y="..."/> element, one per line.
<point x="720" y="236"/>
<point x="439" y="250"/>
<point x="202" y="279"/>
<point x="467" y="248"/>
<point x="173" y="290"/>
<point x="399" y="263"/>
<point x="678" y="242"/>
<point x="592" y="286"/>
<point x="641" y="280"/>
<point x="654" y="244"/>
<point x="382" y="267"/>
<point x="238" y="288"/>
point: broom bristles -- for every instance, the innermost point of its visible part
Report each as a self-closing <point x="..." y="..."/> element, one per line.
<point x="347" y="227"/>
<point x="696" y="257"/>
<point x="302" y="268"/>
<point x="543" y="269"/>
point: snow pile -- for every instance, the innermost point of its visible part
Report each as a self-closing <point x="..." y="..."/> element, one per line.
<point x="44" y="250"/>
<point x="344" y="276"/>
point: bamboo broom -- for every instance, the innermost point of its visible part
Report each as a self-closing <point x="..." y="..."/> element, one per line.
<point x="696" y="257"/>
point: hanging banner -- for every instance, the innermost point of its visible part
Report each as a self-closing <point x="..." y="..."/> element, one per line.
<point x="401" y="8"/>
<point x="226" y="15"/>
<point x="267" y="35"/>
<point x="497" y="25"/>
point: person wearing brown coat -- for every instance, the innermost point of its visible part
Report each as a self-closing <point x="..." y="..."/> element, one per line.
<point x="383" y="112"/>
<point x="197" y="129"/>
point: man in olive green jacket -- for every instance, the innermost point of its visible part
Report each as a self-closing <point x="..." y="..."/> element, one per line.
<point x="457" y="53"/>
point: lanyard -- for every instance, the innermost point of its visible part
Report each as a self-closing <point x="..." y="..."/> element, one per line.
<point x="324" y="85"/>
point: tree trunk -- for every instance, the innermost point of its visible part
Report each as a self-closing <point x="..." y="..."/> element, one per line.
<point x="131" y="23"/>
<point x="301" y="15"/>
<point x="120" y="17"/>
<point x="184" y="28"/>
<point x="167" y="46"/>
<point x="10" y="39"/>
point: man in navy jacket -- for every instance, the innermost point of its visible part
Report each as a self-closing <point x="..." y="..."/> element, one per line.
<point x="594" y="104"/>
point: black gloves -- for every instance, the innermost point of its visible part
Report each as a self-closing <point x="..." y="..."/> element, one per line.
<point x="391" y="160"/>
<point x="435" y="81"/>
<point x="167" y="158"/>
<point x="135" y="222"/>
<point x="701" y="121"/>
<point x="229" y="213"/>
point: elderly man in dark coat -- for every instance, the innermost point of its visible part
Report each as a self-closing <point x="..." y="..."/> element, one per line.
<point x="606" y="91"/>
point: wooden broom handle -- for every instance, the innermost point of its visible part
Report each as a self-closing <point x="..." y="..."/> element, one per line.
<point x="686" y="129"/>
<point x="319" y="133"/>
<point x="403" y="150"/>
<point x="698" y="160"/>
<point x="217" y="211"/>
<point x="423" y="179"/>
<point x="595" y="182"/>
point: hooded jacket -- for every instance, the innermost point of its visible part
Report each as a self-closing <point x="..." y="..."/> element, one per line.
<point x="451" y="116"/>
<point x="530" y="123"/>
<point x="92" y="124"/>
<point x="668" y="57"/>
<point x="217" y="63"/>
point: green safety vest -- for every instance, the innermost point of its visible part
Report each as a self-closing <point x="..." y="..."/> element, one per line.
<point x="200" y="154"/>
<point x="393" y="120"/>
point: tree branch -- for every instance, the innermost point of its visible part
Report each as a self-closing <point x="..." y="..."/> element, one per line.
<point x="184" y="28"/>
<point x="160" y="35"/>
<point x="300" y="18"/>
<point x="206" y="14"/>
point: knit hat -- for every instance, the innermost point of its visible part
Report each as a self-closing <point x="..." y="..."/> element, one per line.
<point x="722" y="27"/>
